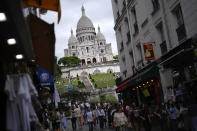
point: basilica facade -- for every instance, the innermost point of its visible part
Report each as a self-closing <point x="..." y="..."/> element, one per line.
<point x="89" y="46"/>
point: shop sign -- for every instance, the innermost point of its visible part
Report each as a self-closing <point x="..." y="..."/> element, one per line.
<point x="148" y="51"/>
<point x="46" y="79"/>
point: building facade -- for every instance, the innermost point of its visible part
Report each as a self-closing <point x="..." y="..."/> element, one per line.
<point x="169" y="28"/>
<point x="89" y="46"/>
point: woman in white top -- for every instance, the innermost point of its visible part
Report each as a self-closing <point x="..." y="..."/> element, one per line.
<point x="120" y="120"/>
<point x="90" y="119"/>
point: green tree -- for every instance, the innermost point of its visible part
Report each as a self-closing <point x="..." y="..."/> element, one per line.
<point x="115" y="57"/>
<point x="93" y="101"/>
<point x="111" y="99"/>
<point x="58" y="72"/>
<point x="70" y="61"/>
<point x="102" y="98"/>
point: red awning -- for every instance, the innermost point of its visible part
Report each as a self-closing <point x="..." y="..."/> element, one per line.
<point x="123" y="86"/>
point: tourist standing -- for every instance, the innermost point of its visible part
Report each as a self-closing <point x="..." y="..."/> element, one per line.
<point x="120" y="120"/>
<point x="58" y="119"/>
<point x="134" y="113"/>
<point x="73" y="119"/>
<point x="90" y="119"/>
<point x="77" y="111"/>
<point x="94" y="116"/>
<point x="173" y="115"/>
<point x="82" y="120"/>
<point x="63" y="121"/>
<point x="101" y="115"/>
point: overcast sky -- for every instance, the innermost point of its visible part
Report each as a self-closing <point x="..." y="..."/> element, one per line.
<point x="99" y="11"/>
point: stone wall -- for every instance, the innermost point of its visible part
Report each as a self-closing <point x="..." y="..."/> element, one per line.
<point x="91" y="69"/>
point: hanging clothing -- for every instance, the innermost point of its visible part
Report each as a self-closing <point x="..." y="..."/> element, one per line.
<point x="20" y="112"/>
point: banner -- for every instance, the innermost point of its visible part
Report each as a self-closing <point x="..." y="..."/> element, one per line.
<point x="148" y="51"/>
<point x="46" y="79"/>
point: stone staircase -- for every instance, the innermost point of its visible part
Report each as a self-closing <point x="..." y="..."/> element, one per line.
<point x="86" y="81"/>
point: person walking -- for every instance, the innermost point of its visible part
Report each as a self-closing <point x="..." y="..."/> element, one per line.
<point x="120" y="120"/>
<point x="94" y="116"/>
<point x="90" y="119"/>
<point x="73" y="119"/>
<point x="173" y="115"/>
<point x="134" y="115"/>
<point x="58" y="119"/>
<point x="145" y="117"/>
<point x="77" y="111"/>
<point x="82" y="120"/>
<point x="63" y="121"/>
<point x="101" y="115"/>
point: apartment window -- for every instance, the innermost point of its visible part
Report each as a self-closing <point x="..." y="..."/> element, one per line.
<point x="125" y="73"/>
<point x="118" y="14"/>
<point x="163" y="47"/>
<point x="124" y="3"/>
<point x="181" y="32"/>
<point x="136" y="29"/>
<point x="159" y="28"/>
<point x="134" y="12"/>
<point x="123" y="60"/>
<point x="156" y="5"/>
<point x="131" y="55"/>
<point x="128" y="37"/>
<point x="87" y="48"/>
<point x="139" y="49"/>
<point x="179" y="16"/>
<point x="121" y="46"/>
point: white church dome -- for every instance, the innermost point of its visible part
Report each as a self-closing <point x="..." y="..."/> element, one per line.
<point x="99" y="35"/>
<point x="84" y="21"/>
<point x="72" y="38"/>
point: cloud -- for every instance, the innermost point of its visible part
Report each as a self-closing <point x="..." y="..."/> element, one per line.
<point x="100" y="12"/>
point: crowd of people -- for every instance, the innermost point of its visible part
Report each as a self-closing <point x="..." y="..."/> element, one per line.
<point x="164" y="117"/>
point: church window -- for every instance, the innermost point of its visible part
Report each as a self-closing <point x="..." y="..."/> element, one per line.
<point x="82" y="38"/>
<point x="101" y="43"/>
<point x="87" y="49"/>
<point x="73" y="47"/>
<point x="89" y="37"/>
<point x="102" y="50"/>
<point x="74" y="54"/>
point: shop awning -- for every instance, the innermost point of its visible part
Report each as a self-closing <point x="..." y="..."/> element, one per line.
<point x="149" y="73"/>
<point x="53" y="5"/>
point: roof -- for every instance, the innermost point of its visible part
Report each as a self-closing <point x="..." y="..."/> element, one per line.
<point x="84" y="21"/>
<point x="72" y="38"/>
<point x="99" y="35"/>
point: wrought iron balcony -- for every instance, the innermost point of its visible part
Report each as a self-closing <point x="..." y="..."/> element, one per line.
<point x="163" y="47"/>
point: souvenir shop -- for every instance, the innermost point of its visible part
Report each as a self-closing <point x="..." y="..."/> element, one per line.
<point x="143" y="87"/>
<point x="24" y="77"/>
<point x="182" y="61"/>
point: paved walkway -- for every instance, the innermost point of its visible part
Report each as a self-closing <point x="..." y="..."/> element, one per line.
<point x="85" y="128"/>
